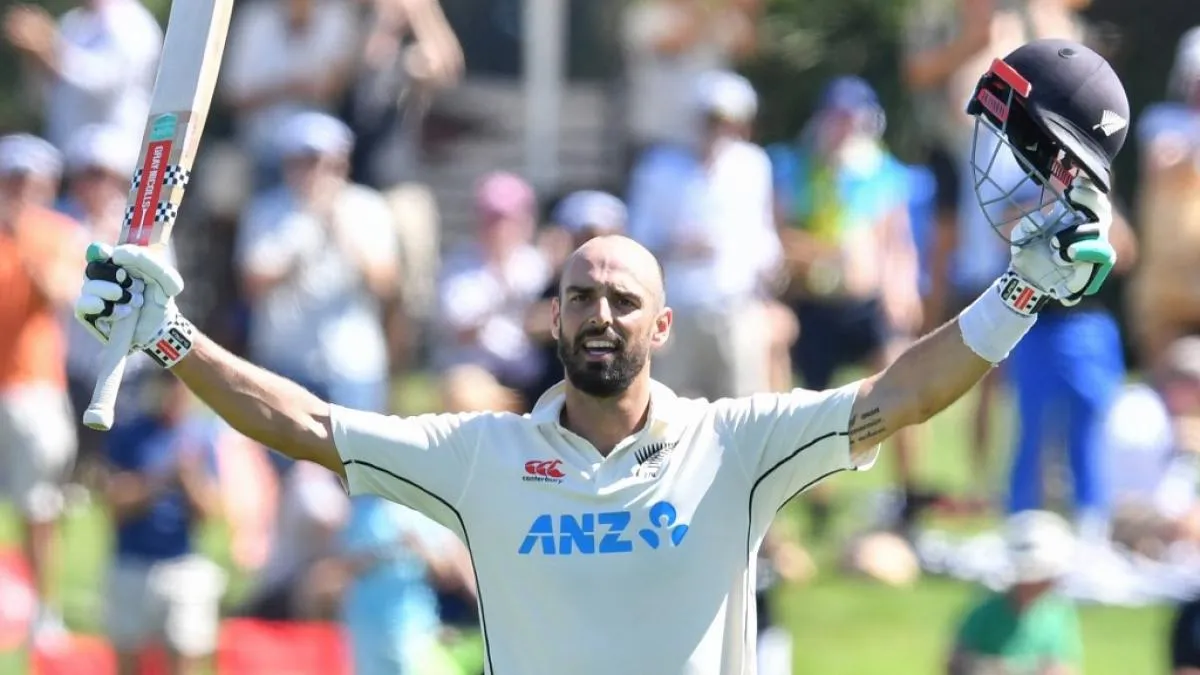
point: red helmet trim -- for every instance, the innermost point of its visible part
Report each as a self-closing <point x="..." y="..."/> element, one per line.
<point x="1012" y="78"/>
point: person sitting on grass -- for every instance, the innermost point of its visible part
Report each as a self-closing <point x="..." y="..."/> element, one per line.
<point x="1027" y="629"/>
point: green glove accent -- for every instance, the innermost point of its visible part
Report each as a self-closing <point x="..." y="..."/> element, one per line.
<point x="1099" y="253"/>
<point x="97" y="252"/>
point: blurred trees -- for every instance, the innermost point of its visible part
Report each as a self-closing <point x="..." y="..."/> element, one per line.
<point x="805" y="43"/>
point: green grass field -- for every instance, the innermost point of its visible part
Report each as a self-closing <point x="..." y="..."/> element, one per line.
<point x="841" y="626"/>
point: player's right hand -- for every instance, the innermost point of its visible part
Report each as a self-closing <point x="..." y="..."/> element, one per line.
<point x="128" y="283"/>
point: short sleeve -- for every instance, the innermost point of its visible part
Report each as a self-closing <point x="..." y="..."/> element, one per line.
<point x="967" y="636"/>
<point x="264" y="244"/>
<point x="783" y="173"/>
<point x="423" y="462"/>
<point x="1185" y="636"/>
<point x="789" y="442"/>
<point x="651" y="211"/>
<point x="1067" y="648"/>
<point x="373" y="233"/>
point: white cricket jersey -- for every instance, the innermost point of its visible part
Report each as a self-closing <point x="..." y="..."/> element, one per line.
<point x="641" y="563"/>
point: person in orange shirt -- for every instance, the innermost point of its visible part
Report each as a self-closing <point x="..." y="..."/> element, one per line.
<point x="39" y="256"/>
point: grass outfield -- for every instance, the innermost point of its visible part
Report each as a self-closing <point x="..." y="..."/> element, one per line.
<point x="841" y="626"/>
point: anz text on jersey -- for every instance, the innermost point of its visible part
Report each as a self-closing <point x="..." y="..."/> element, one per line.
<point x="603" y="533"/>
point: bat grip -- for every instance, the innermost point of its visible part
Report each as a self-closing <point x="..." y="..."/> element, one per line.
<point x="99" y="413"/>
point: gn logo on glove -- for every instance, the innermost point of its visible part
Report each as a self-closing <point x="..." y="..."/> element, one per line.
<point x="168" y="349"/>
<point x="1021" y="295"/>
<point x="602" y="533"/>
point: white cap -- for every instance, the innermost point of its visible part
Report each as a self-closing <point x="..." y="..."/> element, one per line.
<point x="727" y="94"/>
<point x="102" y="146"/>
<point x="314" y="133"/>
<point x="1186" y="70"/>
<point x="26" y="153"/>
<point x="586" y="209"/>
<point x="1041" y="546"/>
<point x="1182" y="357"/>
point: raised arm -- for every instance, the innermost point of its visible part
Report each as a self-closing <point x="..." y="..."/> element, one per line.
<point x="939" y="368"/>
<point x="930" y="375"/>
<point x="260" y="405"/>
<point x="423" y="462"/>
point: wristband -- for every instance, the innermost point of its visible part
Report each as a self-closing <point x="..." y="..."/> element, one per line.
<point x="172" y="342"/>
<point x="994" y="324"/>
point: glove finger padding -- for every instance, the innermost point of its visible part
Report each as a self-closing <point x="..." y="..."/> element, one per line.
<point x="1088" y="242"/>
<point x="1091" y="201"/>
<point x="1075" y="260"/>
<point x="1102" y="256"/>
<point x="144" y="263"/>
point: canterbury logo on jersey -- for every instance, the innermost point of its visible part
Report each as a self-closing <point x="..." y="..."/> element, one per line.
<point x="651" y="458"/>
<point x="544" y="471"/>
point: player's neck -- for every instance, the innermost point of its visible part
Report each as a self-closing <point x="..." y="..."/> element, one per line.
<point x="605" y="422"/>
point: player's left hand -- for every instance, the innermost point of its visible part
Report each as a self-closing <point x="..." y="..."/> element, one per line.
<point x="1075" y="261"/>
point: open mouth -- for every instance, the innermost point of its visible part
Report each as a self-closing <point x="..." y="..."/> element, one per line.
<point x="599" y="347"/>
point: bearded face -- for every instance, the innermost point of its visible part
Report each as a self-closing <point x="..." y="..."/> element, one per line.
<point x="609" y="316"/>
<point x="601" y="361"/>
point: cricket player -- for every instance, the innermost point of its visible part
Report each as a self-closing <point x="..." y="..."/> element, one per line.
<point x="614" y="528"/>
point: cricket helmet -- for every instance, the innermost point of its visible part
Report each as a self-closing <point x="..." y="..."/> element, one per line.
<point x="1060" y="110"/>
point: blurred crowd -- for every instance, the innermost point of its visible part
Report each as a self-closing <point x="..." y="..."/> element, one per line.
<point x="785" y="265"/>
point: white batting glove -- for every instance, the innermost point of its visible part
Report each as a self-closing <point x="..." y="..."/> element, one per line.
<point x="130" y="283"/>
<point x="1069" y="264"/>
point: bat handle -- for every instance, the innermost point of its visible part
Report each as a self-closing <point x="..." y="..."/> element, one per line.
<point x="99" y="413"/>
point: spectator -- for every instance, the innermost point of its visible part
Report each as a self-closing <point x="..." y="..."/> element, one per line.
<point x="320" y="250"/>
<point x="39" y="256"/>
<point x="705" y="211"/>
<point x="99" y="160"/>
<point x="1066" y="373"/>
<point x="581" y="216"/>
<point x="283" y="57"/>
<point x="950" y="42"/>
<point x="395" y="81"/>
<point x="1152" y="446"/>
<point x="32" y="169"/>
<point x="162" y="486"/>
<point x="1185" y="639"/>
<point x="489" y="286"/>
<point x="1028" y="628"/>
<point x="1163" y="306"/>
<point x="842" y="205"/>
<point x="395" y="560"/>
<point x="96" y="65"/>
<point x="297" y="582"/>
<point x="668" y="44"/>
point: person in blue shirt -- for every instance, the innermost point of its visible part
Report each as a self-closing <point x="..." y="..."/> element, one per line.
<point x="397" y="560"/>
<point x="842" y="211"/>
<point x="161" y="485"/>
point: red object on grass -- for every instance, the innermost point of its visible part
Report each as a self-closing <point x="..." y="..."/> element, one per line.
<point x="252" y="647"/>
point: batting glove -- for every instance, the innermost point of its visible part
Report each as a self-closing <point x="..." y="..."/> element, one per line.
<point x="1067" y="265"/>
<point x="130" y="283"/>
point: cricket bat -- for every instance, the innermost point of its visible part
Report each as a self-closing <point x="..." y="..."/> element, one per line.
<point x="183" y="91"/>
